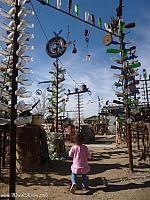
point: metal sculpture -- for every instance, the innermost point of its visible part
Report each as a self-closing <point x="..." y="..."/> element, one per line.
<point x="56" y="47"/>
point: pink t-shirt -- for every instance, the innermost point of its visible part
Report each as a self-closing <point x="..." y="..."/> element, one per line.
<point x="80" y="156"/>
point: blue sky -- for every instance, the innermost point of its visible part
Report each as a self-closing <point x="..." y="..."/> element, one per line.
<point x="96" y="73"/>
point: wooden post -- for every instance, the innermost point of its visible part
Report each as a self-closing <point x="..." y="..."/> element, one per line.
<point x="4" y="148"/>
<point x="137" y="131"/>
<point x="0" y="151"/>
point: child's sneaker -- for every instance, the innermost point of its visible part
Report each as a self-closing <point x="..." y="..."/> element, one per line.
<point x="85" y="188"/>
<point x="73" y="188"/>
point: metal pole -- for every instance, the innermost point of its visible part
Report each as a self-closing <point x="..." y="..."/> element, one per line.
<point x="57" y="73"/>
<point x="79" y="110"/>
<point x="128" y="126"/>
<point x="12" y="185"/>
<point x="146" y="90"/>
<point x="78" y="93"/>
<point x="129" y="136"/>
<point x="44" y="3"/>
<point x="99" y="106"/>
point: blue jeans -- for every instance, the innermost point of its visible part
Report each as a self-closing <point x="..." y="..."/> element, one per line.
<point x="84" y="179"/>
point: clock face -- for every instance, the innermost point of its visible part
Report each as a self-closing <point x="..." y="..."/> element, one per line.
<point x="56" y="47"/>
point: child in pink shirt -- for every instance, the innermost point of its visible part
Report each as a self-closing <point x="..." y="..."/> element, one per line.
<point x="80" y="155"/>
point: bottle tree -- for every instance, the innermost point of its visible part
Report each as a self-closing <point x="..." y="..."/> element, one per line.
<point x="56" y="89"/>
<point x="55" y="48"/>
<point x="15" y="45"/>
<point x="126" y="89"/>
<point x="144" y="79"/>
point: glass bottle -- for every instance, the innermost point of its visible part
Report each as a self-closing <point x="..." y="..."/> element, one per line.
<point x="4" y="52"/>
<point x="4" y="121"/>
<point x="121" y="25"/>
<point x="58" y="4"/>
<point x="5" y="14"/>
<point x="5" y="40"/>
<point x="24" y="12"/>
<point x="24" y="36"/>
<point x="4" y="107"/>
<point x="24" y="70"/>
<point x="21" y="106"/>
<point x="20" y="90"/>
<point x="134" y="65"/>
<point x="130" y="25"/>
<point x="77" y="10"/>
<point x="23" y="120"/>
<point x="9" y="2"/>
<point x="99" y="21"/>
<point x="12" y="11"/>
<point x="24" y="24"/>
<point x="26" y="94"/>
<point x="26" y="58"/>
<point x="86" y="16"/>
<point x="110" y="50"/>
<point x="23" y="49"/>
<point x="26" y="82"/>
<point x="21" y="64"/>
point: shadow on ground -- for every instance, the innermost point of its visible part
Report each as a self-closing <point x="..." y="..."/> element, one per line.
<point x="110" y="154"/>
<point x="116" y="188"/>
<point x="62" y="168"/>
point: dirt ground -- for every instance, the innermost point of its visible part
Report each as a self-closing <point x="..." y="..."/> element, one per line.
<point x="109" y="178"/>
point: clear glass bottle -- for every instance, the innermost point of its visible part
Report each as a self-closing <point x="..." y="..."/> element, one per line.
<point x="5" y="14"/>
<point x="19" y="121"/>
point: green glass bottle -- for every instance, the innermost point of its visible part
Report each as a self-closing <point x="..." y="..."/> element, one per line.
<point x="99" y="22"/>
<point x="132" y="101"/>
<point x="121" y="26"/>
<point x="130" y="25"/>
<point x="48" y="2"/>
<point x="134" y="65"/>
<point x="124" y="53"/>
<point x="110" y="50"/>
<point x="77" y="10"/>
<point x="121" y="120"/>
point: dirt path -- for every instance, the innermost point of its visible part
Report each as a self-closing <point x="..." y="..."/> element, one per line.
<point x="109" y="178"/>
